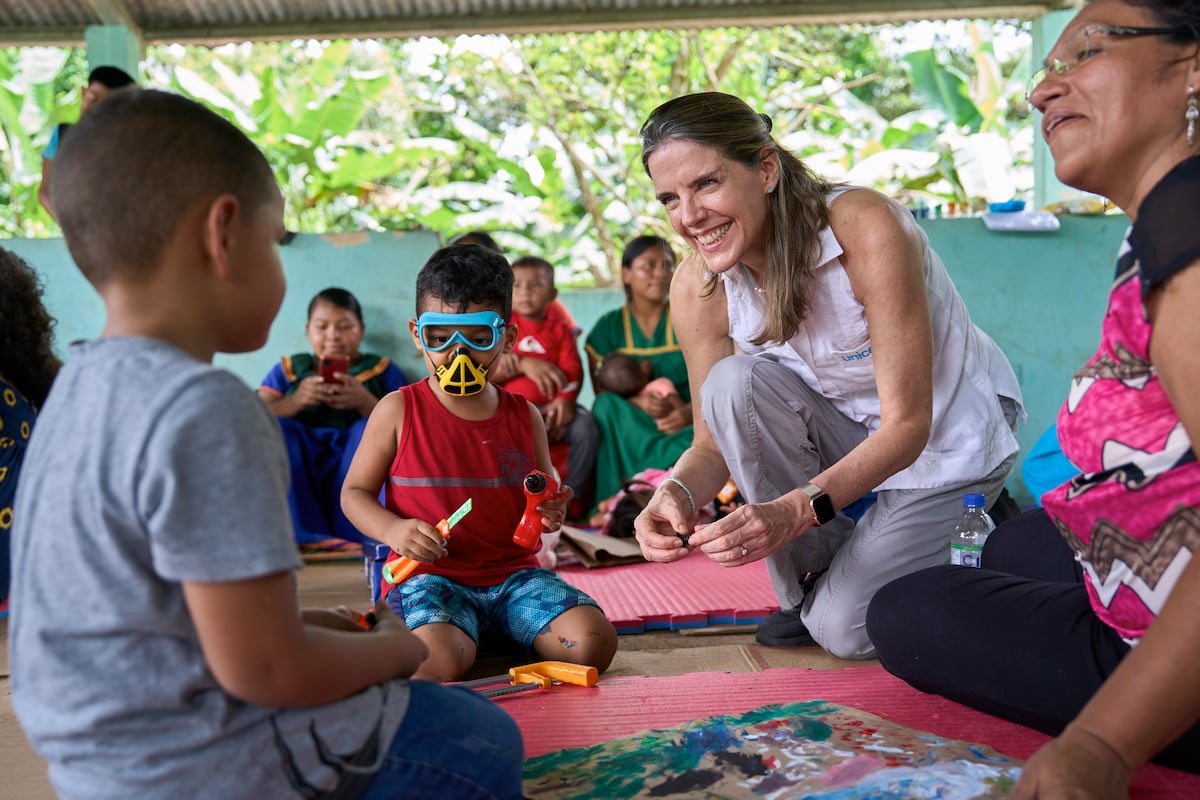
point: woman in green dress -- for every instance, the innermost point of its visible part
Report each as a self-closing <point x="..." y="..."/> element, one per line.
<point x="645" y="431"/>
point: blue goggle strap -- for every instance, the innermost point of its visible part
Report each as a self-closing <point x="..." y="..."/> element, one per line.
<point x="485" y="319"/>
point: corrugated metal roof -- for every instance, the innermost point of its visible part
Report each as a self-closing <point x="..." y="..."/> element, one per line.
<point x="25" y="22"/>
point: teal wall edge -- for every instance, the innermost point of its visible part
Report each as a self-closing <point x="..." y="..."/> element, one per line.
<point x="1041" y="296"/>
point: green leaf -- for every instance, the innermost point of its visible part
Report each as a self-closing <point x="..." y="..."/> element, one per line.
<point x="945" y="87"/>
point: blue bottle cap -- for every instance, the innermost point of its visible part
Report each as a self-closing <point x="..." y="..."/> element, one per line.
<point x="1006" y="207"/>
<point x="973" y="500"/>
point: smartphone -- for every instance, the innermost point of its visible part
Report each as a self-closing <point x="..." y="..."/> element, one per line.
<point x="334" y="364"/>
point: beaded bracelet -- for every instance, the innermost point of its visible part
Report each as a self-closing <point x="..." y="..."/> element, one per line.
<point x="691" y="500"/>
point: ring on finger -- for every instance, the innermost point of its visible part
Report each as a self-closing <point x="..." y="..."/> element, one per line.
<point x="744" y="551"/>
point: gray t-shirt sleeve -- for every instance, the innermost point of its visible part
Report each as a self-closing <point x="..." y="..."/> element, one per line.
<point x="212" y="486"/>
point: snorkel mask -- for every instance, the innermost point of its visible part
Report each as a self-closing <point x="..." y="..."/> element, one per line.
<point x="463" y="376"/>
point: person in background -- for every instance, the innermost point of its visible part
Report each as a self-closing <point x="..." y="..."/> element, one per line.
<point x="27" y="369"/>
<point x="155" y="487"/>
<point x="835" y="357"/>
<point x="1082" y="621"/>
<point x="551" y="372"/>
<point x="646" y="431"/>
<point x="455" y="438"/>
<point x="101" y="81"/>
<point x="556" y="311"/>
<point x="323" y="416"/>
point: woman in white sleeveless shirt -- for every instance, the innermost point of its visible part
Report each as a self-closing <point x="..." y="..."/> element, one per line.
<point x="835" y="358"/>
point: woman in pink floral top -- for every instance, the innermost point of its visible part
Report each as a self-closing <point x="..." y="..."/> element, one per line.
<point x="1083" y="622"/>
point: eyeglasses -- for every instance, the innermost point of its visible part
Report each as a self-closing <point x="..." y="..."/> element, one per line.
<point x="1086" y="43"/>
<point x="439" y="332"/>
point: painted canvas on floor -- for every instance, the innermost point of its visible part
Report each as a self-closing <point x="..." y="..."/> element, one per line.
<point x="785" y="751"/>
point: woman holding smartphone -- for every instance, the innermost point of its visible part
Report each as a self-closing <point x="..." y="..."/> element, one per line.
<point x="322" y="400"/>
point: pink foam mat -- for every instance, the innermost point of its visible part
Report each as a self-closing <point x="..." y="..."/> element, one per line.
<point x="693" y="593"/>
<point x="575" y="716"/>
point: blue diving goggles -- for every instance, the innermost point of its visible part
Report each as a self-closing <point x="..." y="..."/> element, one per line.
<point x="439" y="332"/>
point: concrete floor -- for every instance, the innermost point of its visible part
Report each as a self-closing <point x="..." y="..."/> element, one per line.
<point x="725" y="649"/>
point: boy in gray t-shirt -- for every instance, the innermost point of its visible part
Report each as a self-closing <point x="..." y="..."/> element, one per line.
<point x="156" y="646"/>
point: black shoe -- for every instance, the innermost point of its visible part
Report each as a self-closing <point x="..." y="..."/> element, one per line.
<point x="784" y="629"/>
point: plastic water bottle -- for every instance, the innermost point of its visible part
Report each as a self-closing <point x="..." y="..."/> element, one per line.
<point x="966" y="545"/>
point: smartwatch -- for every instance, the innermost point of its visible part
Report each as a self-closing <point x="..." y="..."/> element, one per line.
<point x="822" y="504"/>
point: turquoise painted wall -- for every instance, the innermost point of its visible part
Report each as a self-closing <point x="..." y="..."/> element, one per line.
<point x="1041" y="297"/>
<point x="379" y="268"/>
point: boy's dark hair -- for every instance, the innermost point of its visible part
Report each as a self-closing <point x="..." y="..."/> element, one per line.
<point x="461" y="274"/>
<point x="27" y="359"/>
<point x="477" y="237"/>
<point x="110" y="77"/>
<point x="339" y="297"/>
<point x="135" y="165"/>
<point x="538" y="263"/>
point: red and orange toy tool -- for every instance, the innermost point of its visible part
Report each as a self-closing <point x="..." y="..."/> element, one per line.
<point x="400" y="567"/>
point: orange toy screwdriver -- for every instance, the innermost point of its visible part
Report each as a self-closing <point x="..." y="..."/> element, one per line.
<point x="397" y="569"/>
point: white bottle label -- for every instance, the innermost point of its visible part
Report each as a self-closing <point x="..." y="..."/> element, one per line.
<point x="965" y="555"/>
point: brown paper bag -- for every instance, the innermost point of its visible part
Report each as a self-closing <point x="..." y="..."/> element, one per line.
<point x="594" y="550"/>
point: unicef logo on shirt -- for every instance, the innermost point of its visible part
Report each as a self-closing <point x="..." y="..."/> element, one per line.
<point x="859" y="356"/>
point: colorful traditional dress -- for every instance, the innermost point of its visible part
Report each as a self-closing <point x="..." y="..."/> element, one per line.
<point x="629" y="437"/>
<point x="321" y="442"/>
<point x="16" y="422"/>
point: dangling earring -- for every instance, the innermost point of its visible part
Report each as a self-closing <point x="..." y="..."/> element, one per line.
<point x="1193" y="113"/>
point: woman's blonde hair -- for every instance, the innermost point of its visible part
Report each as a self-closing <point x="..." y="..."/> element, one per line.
<point x="798" y="211"/>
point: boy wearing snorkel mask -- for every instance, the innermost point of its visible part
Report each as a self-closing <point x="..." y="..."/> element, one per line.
<point x="455" y="437"/>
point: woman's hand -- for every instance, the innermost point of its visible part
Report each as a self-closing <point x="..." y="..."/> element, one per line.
<point x="346" y="393"/>
<point x="676" y="419"/>
<point x="1076" y="766"/>
<point x="653" y="405"/>
<point x="663" y="527"/>
<point x="752" y="531"/>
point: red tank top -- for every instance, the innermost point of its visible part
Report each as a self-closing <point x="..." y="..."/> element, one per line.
<point x="441" y="460"/>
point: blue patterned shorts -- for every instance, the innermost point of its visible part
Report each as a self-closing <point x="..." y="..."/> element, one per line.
<point x="520" y="608"/>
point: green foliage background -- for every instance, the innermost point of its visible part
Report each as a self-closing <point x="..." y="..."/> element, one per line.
<point x="535" y="138"/>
